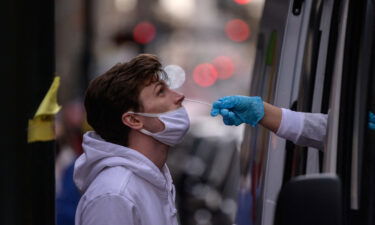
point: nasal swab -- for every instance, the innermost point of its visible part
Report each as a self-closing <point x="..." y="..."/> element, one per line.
<point x="197" y="101"/>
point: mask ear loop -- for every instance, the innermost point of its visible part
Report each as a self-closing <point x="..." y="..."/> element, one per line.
<point x="152" y="114"/>
<point x="146" y="114"/>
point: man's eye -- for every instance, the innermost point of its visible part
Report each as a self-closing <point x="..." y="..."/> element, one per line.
<point x="161" y="91"/>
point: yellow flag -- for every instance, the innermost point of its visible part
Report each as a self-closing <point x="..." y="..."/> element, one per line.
<point x="41" y="127"/>
<point x="49" y="104"/>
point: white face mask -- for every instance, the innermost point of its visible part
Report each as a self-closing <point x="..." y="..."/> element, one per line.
<point x="176" y="125"/>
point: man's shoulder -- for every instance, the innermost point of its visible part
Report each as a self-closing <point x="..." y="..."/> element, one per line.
<point x="111" y="181"/>
<point x="121" y="182"/>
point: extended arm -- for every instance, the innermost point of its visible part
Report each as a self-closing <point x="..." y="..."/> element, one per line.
<point x="272" y="117"/>
<point x="251" y="110"/>
<point x="306" y="129"/>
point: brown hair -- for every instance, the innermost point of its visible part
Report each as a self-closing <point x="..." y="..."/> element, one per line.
<point x="117" y="91"/>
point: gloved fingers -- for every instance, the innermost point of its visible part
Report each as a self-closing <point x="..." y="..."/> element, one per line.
<point x="216" y="107"/>
<point x="240" y="103"/>
<point x="228" y="102"/>
<point x="242" y="109"/>
<point x="371" y="118"/>
<point x="371" y="126"/>
<point x="230" y="118"/>
<point x="227" y="120"/>
<point x="215" y="112"/>
<point x="236" y="119"/>
<point x="224" y="112"/>
<point x="216" y="104"/>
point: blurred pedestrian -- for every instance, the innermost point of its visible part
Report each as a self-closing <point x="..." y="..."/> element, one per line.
<point x="69" y="130"/>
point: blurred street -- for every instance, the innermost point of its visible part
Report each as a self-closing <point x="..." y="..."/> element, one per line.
<point x="212" y="43"/>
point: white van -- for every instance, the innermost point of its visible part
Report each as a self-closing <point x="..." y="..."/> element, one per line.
<point x="313" y="56"/>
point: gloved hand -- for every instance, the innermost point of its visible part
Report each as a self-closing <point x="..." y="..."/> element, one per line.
<point x="371" y="121"/>
<point x="236" y="110"/>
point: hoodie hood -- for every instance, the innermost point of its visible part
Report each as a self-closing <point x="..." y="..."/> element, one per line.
<point x="100" y="154"/>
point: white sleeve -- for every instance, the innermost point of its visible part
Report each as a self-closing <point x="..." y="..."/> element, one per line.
<point x="111" y="210"/>
<point x="306" y="129"/>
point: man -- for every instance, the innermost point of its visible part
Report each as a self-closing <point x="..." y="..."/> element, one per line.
<point x="306" y="129"/>
<point x="122" y="172"/>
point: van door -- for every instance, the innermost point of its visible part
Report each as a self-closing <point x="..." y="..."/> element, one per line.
<point x="276" y="78"/>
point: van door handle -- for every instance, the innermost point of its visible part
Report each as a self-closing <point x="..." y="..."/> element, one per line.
<point x="297" y="7"/>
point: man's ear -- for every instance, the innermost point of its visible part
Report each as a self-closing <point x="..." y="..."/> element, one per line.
<point x="131" y="120"/>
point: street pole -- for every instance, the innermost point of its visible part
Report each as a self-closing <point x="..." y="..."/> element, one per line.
<point x="27" y="187"/>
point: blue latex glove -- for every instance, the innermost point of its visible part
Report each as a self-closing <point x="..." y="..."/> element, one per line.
<point x="236" y="110"/>
<point x="371" y="121"/>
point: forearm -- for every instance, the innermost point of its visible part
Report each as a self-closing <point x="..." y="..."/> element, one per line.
<point x="304" y="129"/>
<point x="272" y="117"/>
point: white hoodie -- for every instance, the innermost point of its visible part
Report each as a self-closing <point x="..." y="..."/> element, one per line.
<point x="121" y="186"/>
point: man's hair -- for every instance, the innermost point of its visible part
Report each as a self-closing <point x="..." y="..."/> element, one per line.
<point x="117" y="91"/>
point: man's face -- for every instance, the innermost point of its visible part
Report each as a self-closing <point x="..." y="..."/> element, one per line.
<point x="158" y="98"/>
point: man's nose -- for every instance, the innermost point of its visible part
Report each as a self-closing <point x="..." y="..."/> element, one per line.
<point x="179" y="97"/>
